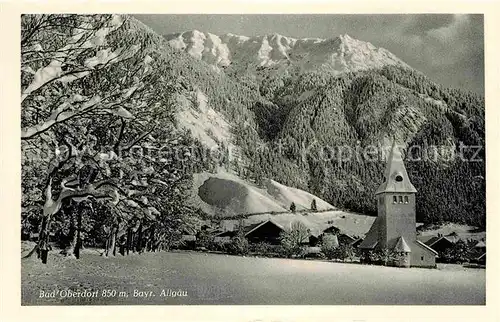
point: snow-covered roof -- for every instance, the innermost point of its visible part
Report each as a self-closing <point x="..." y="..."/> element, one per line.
<point x="371" y="239"/>
<point x="426" y="247"/>
<point x="254" y="227"/>
<point x="402" y="246"/>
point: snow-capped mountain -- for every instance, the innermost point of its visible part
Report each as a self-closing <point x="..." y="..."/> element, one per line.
<point x="241" y="53"/>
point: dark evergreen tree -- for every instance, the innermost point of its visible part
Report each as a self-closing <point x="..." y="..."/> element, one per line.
<point x="314" y="207"/>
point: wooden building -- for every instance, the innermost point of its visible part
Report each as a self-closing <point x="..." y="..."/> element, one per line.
<point x="267" y="232"/>
<point x="439" y="243"/>
<point x="343" y="238"/>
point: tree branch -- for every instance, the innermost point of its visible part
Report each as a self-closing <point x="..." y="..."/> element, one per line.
<point x="140" y="138"/>
<point x="120" y="136"/>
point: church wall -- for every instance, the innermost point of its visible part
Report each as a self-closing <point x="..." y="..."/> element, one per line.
<point x="400" y="218"/>
<point x="404" y="260"/>
<point x="382" y="232"/>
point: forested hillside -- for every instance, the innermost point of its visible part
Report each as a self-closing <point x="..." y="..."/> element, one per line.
<point x="322" y="115"/>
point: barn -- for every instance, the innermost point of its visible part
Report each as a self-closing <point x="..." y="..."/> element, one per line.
<point x="267" y="231"/>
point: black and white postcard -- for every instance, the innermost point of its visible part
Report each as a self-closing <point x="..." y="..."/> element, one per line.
<point x="236" y="159"/>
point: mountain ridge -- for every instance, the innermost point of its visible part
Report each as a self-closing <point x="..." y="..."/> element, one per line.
<point x="239" y="53"/>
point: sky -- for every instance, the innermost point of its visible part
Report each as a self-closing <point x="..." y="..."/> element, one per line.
<point x="447" y="48"/>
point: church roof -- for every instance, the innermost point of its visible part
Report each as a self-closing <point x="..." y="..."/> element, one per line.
<point x="396" y="177"/>
<point x="402" y="246"/>
<point x="371" y="239"/>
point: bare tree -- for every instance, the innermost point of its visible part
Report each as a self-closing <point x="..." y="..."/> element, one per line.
<point x="294" y="238"/>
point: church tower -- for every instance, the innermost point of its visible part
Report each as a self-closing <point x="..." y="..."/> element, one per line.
<point x="396" y="202"/>
<point x="394" y="229"/>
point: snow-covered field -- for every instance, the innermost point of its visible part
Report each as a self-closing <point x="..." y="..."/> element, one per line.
<point x="222" y="279"/>
<point x="463" y="232"/>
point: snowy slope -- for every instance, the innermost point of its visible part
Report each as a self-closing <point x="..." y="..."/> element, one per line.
<point x="464" y="232"/>
<point x="286" y="195"/>
<point x="228" y="195"/>
<point x="241" y="53"/>
<point x="205" y="124"/>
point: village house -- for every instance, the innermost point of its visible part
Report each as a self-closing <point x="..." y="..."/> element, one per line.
<point x="343" y="238"/>
<point x="223" y="236"/>
<point x="479" y="252"/>
<point x="357" y="242"/>
<point x="394" y="229"/>
<point x="188" y="234"/>
<point x="439" y="243"/>
<point x="314" y="239"/>
<point x="480" y="246"/>
<point x="266" y="231"/>
<point x="269" y="231"/>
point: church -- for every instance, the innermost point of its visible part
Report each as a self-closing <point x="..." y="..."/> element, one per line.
<point x="394" y="229"/>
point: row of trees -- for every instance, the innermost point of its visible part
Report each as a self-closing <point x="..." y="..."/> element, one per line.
<point x="99" y="143"/>
<point x="314" y="206"/>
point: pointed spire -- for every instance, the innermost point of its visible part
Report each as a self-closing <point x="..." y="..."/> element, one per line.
<point x="395" y="176"/>
<point x="394" y="156"/>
